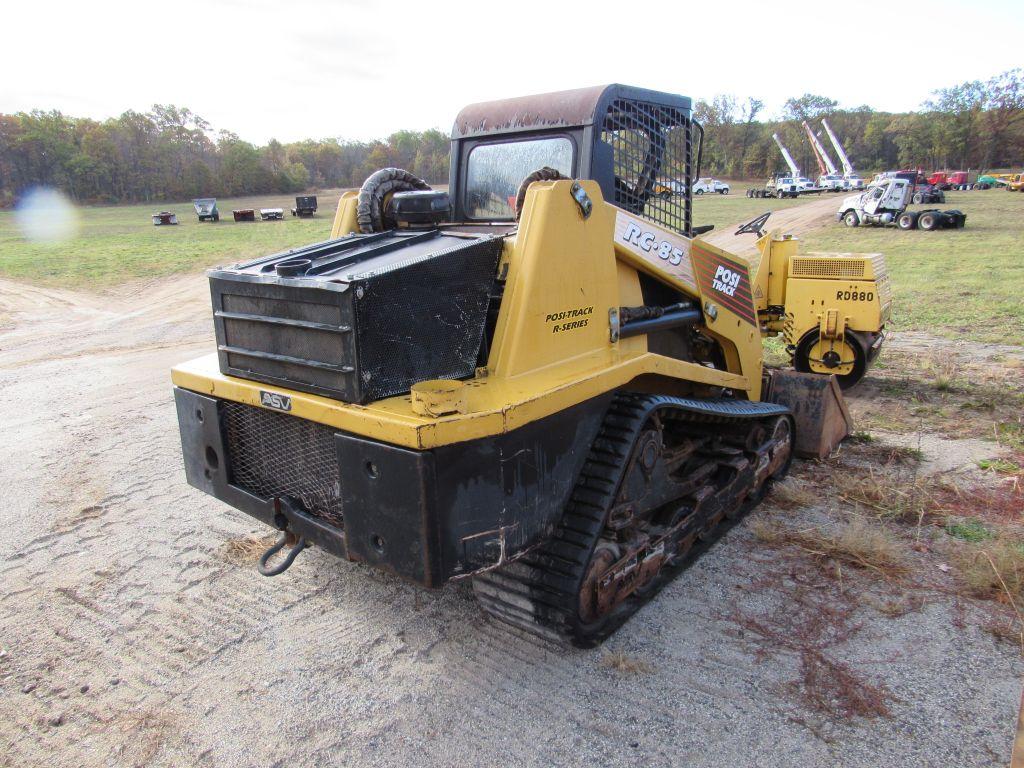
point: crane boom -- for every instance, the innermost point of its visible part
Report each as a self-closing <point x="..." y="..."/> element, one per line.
<point x="825" y="164"/>
<point x="785" y="153"/>
<point x="847" y="167"/>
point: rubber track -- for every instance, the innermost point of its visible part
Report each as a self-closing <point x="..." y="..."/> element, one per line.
<point x="539" y="591"/>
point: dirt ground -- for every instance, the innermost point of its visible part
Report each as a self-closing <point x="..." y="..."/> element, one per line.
<point x="134" y="629"/>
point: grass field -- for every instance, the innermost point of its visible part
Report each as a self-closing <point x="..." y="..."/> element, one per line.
<point x="959" y="283"/>
<point x="116" y="244"/>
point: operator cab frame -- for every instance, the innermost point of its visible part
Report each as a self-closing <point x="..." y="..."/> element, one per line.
<point x="629" y="140"/>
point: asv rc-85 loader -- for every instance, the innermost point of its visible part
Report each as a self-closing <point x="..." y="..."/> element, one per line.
<point x="884" y="203"/>
<point x="538" y="380"/>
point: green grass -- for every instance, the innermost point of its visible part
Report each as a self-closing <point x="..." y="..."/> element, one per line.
<point x="959" y="283"/>
<point x="116" y="244"/>
<point x="965" y="283"/>
<point x="968" y="529"/>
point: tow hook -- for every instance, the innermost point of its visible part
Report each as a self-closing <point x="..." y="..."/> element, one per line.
<point x="286" y="537"/>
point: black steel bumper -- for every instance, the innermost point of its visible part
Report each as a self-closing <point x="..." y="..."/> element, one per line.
<point x="427" y="516"/>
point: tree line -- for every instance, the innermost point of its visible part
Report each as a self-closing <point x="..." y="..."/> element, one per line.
<point x="170" y="153"/>
<point x="972" y="125"/>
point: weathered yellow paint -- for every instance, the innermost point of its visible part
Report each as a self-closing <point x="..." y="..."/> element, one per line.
<point x="811" y="286"/>
<point x="345" y="216"/>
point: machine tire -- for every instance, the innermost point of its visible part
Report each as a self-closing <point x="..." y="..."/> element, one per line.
<point x="928" y="220"/>
<point x="750" y="193"/>
<point x="372" y="209"/>
<point x="541" y="174"/>
<point x="802" y="363"/>
<point x="918" y="198"/>
<point x="850" y="219"/>
<point x="907" y="220"/>
<point x="666" y="195"/>
<point x="699" y="192"/>
<point x="941" y="197"/>
<point x="780" y="194"/>
<point x="723" y="191"/>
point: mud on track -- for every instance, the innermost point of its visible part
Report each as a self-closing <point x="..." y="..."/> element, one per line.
<point x="132" y="636"/>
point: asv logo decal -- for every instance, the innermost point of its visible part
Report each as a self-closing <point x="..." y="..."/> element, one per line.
<point x="725" y="281"/>
<point x="648" y="243"/>
<point x="275" y="401"/>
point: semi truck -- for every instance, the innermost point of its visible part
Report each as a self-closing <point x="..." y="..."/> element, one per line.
<point x="885" y="204"/>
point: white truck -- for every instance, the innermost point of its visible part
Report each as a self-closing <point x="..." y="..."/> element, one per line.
<point x="829" y="178"/>
<point x="707" y="184"/>
<point x="850" y="175"/>
<point x="885" y="205"/>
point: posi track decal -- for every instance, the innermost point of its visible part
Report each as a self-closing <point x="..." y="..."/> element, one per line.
<point x="725" y="282"/>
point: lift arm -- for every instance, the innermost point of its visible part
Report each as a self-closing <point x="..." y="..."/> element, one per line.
<point x="785" y="153"/>
<point x="825" y="164"/>
<point x="847" y="167"/>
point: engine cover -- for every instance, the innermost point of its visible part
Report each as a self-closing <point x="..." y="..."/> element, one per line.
<point x="358" y="318"/>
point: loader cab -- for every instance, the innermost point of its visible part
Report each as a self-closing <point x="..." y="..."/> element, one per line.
<point x="633" y="142"/>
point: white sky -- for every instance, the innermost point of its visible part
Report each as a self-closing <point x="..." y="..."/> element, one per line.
<point x="315" y="68"/>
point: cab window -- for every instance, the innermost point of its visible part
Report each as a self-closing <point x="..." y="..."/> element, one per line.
<point x="495" y="171"/>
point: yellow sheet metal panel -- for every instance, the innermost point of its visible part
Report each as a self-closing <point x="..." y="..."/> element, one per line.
<point x="561" y="283"/>
<point x="345" y="216"/>
<point x="655" y="250"/>
<point x="858" y="301"/>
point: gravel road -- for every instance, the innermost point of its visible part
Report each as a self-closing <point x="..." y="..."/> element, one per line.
<point x="131" y="633"/>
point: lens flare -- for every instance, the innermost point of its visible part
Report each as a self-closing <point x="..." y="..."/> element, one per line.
<point x="47" y="216"/>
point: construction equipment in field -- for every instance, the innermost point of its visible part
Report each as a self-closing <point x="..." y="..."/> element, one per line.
<point x="776" y="186"/>
<point x="244" y="214"/>
<point x="803" y="184"/>
<point x="851" y="176"/>
<point x="830" y="308"/>
<point x="164" y="218"/>
<point x="884" y="204"/>
<point x="542" y="383"/>
<point x="206" y="208"/>
<point x="305" y="206"/>
<point x="271" y="214"/>
<point x="829" y="178"/>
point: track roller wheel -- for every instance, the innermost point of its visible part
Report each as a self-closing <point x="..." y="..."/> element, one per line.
<point x="659" y="486"/>
<point x="846" y="359"/>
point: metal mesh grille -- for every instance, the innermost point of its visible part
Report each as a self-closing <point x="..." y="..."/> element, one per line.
<point x="651" y="157"/>
<point x="811" y="267"/>
<point x="273" y="454"/>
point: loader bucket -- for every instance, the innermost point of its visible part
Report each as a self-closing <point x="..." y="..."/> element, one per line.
<point x="816" y="401"/>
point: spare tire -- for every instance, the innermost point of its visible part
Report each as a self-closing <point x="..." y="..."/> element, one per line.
<point x="373" y="210"/>
<point x="541" y="174"/>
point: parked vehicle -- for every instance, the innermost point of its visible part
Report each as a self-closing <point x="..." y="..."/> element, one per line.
<point x="777" y="186"/>
<point x="666" y="188"/>
<point x="707" y="184"/>
<point x="829" y="178"/>
<point x="854" y="179"/>
<point x="206" y="208"/>
<point x="885" y="204"/>
<point x="305" y="206"/>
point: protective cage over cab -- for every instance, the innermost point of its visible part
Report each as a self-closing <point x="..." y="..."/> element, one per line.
<point x="639" y="145"/>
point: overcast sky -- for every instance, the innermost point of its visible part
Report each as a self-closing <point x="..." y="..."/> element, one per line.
<point x="315" y="68"/>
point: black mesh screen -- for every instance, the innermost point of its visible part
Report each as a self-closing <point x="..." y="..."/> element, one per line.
<point x="273" y="454"/>
<point x="651" y="148"/>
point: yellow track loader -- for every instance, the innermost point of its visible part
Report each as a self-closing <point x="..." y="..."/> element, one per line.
<point x="539" y="380"/>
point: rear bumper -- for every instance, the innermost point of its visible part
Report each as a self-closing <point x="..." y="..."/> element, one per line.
<point x="427" y="516"/>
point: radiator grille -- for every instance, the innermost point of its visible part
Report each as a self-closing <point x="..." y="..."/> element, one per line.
<point x="273" y="454"/>
<point x="842" y="268"/>
<point x="651" y="153"/>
